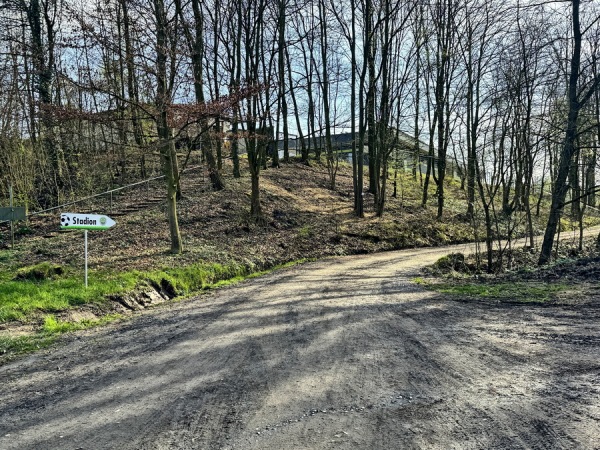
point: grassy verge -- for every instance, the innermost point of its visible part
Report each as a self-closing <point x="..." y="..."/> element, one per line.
<point x="25" y="299"/>
<point x="46" y="336"/>
<point x="17" y="345"/>
<point x="52" y="325"/>
<point x="519" y="292"/>
<point x="19" y="300"/>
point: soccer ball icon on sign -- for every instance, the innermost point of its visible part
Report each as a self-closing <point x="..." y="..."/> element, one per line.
<point x="65" y="220"/>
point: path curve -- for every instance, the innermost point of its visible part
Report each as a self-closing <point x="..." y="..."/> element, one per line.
<point x="337" y="354"/>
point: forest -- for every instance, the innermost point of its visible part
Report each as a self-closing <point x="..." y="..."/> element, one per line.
<point x="98" y="94"/>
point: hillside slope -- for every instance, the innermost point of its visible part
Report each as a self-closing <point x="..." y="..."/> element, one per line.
<point x="304" y="219"/>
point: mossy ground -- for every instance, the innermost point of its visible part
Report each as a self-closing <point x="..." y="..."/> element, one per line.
<point x="572" y="278"/>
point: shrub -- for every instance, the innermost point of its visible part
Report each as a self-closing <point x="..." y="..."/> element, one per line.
<point x="452" y="262"/>
<point x="39" y="272"/>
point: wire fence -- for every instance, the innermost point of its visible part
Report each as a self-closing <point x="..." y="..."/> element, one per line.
<point x="110" y="194"/>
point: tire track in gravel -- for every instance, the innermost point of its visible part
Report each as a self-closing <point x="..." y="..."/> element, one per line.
<point x="338" y="354"/>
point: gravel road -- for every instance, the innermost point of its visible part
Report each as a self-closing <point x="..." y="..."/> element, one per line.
<point x="343" y="353"/>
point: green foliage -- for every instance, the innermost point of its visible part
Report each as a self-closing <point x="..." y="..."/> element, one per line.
<point x="15" y="345"/>
<point x="20" y="299"/>
<point x="591" y="221"/>
<point x="305" y="232"/>
<point x="23" y="231"/>
<point x="6" y="256"/>
<point x="39" y="272"/>
<point x="184" y="280"/>
<point x="56" y="326"/>
<point x="51" y="325"/>
<point x="566" y="225"/>
<point x="453" y="261"/>
<point x="250" y="275"/>
<point x="24" y="344"/>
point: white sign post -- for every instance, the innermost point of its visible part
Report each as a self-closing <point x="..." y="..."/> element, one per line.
<point x="85" y="222"/>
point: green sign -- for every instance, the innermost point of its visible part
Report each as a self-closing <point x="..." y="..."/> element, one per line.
<point x="12" y="214"/>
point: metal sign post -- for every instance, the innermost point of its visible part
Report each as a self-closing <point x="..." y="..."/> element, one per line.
<point x="85" y="222"/>
<point x="85" y="245"/>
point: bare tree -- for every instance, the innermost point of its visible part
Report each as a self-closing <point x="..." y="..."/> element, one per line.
<point x="577" y="99"/>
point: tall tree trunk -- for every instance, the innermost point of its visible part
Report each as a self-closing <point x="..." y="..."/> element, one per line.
<point x="369" y="55"/>
<point x="197" y="47"/>
<point x="471" y="130"/>
<point x="440" y="103"/>
<point x="300" y="137"/>
<point x="417" y="135"/>
<point x="282" y="86"/>
<point x="235" y="81"/>
<point x="43" y="65"/>
<point x="255" y="143"/>
<point x="560" y="188"/>
<point x="416" y="165"/>
<point x="218" y="140"/>
<point x="331" y="161"/>
<point x="132" y="89"/>
<point x="357" y="153"/>
<point x="165" y="139"/>
<point x="591" y="174"/>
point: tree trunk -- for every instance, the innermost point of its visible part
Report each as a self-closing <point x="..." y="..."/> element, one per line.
<point x="282" y="88"/>
<point x="300" y="137"/>
<point x="560" y="188"/>
<point x="165" y="139"/>
<point x="369" y="55"/>
<point x="43" y="65"/>
<point x="331" y="161"/>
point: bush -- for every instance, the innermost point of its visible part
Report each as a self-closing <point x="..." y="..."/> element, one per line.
<point x="452" y="262"/>
<point x="23" y="231"/>
<point x="39" y="272"/>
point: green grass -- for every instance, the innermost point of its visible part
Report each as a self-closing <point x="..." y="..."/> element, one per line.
<point x="57" y="326"/>
<point x="522" y="292"/>
<point x="24" y="299"/>
<point x="17" y="345"/>
<point x="185" y="280"/>
<point x="7" y="256"/>
<point x="24" y="344"/>
<point x="305" y="232"/>
<point x="20" y="299"/>
<point x="216" y="275"/>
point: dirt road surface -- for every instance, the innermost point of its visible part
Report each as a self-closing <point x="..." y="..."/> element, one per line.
<point x="339" y="354"/>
